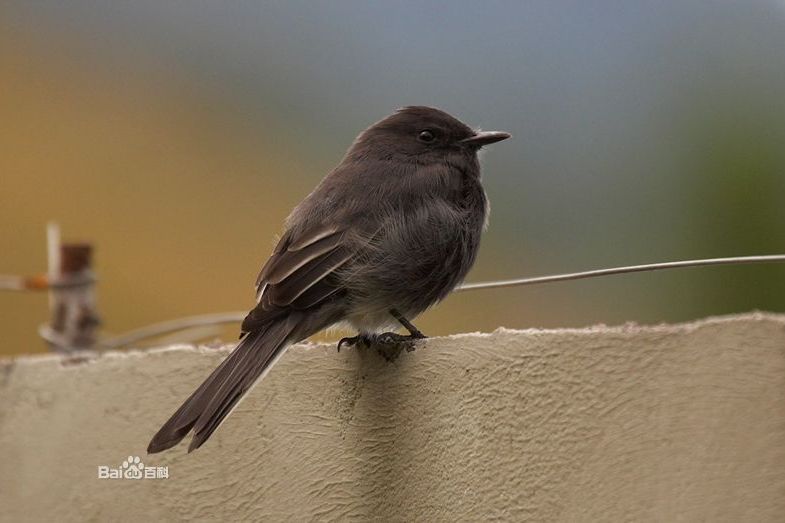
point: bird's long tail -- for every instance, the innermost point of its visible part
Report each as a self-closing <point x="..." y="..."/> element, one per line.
<point x="206" y="408"/>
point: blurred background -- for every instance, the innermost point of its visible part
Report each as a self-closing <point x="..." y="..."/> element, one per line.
<point x="176" y="137"/>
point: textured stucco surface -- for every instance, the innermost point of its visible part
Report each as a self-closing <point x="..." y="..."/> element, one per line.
<point x="663" y="423"/>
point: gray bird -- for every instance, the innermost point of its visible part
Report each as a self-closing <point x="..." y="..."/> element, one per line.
<point x="385" y="235"/>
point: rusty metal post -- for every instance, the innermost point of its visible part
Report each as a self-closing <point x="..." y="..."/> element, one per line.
<point x="73" y="315"/>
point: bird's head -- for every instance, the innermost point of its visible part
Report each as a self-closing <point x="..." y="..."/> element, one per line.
<point x="420" y="134"/>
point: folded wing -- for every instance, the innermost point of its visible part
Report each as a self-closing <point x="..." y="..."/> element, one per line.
<point x="300" y="274"/>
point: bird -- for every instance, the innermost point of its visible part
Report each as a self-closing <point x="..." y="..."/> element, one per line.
<point x="388" y="233"/>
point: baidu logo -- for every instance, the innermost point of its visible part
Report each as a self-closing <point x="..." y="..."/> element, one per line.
<point x="133" y="468"/>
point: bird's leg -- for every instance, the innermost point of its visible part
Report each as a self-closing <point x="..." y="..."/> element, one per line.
<point x="391" y="344"/>
<point x="388" y="344"/>
<point x="361" y="338"/>
<point x="414" y="332"/>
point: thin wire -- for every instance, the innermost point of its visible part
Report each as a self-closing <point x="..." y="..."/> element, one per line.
<point x="42" y="282"/>
<point x="166" y="327"/>
<point x="773" y="258"/>
<point x="11" y="283"/>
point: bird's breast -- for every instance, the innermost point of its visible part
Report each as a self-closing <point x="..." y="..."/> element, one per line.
<point x="422" y="251"/>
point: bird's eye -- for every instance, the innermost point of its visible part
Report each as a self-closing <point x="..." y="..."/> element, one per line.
<point x="426" y="136"/>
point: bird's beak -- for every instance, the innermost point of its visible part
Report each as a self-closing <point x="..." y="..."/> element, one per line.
<point x="485" y="138"/>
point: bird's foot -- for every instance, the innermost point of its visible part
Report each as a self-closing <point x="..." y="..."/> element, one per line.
<point x="354" y="341"/>
<point x="390" y="344"/>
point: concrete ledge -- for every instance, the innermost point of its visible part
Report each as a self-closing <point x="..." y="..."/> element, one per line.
<point x="664" y="423"/>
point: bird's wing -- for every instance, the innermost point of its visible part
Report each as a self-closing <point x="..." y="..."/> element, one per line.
<point x="297" y="275"/>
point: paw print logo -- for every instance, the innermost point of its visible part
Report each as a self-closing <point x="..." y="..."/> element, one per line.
<point x="132" y="468"/>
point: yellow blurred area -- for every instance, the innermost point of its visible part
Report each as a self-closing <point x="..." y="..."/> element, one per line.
<point x="180" y="206"/>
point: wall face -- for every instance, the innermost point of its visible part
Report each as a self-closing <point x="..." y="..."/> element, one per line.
<point x="659" y="423"/>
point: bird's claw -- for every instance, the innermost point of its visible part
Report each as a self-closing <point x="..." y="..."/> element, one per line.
<point x="354" y="341"/>
<point x="390" y="344"/>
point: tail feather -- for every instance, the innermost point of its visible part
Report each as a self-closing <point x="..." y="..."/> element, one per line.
<point x="233" y="389"/>
<point x="185" y="417"/>
<point x="207" y="407"/>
